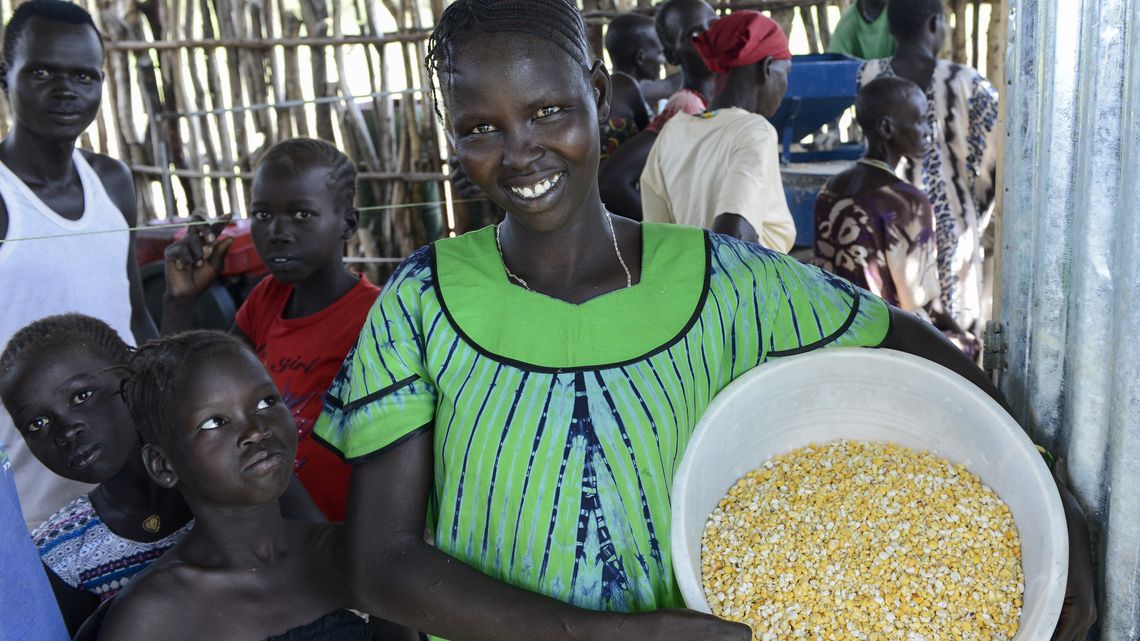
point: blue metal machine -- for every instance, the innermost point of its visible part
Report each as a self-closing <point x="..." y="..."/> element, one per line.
<point x="820" y="88"/>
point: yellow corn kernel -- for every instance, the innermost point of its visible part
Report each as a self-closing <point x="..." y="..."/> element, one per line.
<point x="867" y="541"/>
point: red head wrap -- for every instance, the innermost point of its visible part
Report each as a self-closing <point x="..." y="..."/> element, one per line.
<point x="741" y="38"/>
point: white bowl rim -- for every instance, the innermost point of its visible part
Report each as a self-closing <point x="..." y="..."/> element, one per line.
<point x="693" y="593"/>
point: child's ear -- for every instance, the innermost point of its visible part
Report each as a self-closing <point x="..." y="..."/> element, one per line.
<point x="603" y="89"/>
<point x="351" y="223"/>
<point x="157" y="463"/>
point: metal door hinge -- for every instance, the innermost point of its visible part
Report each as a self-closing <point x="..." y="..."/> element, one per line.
<point x="995" y="349"/>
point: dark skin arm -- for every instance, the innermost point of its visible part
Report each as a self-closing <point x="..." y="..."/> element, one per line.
<point x="395" y="574"/>
<point x="628" y="102"/>
<point x="734" y="225"/>
<point x="917" y="337"/>
<point x="386" y="631"/>
<point x="619" y="175"/>
<point x="74" y="604"/>
<point x="655" y="90"/>
<point x="120" y="187"/>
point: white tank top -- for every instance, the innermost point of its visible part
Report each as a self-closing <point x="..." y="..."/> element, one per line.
<point x="65" y="273"/>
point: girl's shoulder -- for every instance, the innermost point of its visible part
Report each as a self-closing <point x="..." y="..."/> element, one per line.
<point x="68" y="522"/>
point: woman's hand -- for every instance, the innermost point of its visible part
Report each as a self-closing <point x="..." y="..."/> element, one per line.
<point x="1078" y="613"/>
<point x="678" y="625"/>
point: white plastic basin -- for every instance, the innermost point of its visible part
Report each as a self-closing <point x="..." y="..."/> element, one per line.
<point x="872" y="395"/>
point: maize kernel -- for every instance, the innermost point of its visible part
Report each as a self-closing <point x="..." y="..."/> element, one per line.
<point x="864" y="538"/>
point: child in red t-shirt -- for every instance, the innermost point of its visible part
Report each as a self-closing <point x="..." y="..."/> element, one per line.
<point x="304" y="318"/>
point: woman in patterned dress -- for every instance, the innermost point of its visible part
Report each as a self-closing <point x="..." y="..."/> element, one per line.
<point x="958" y="166"/>
<point x="526" y="391"/>
<point x="877" y="230"/>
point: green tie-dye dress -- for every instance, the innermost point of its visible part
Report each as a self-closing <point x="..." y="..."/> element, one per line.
<point x="558" y="427"/>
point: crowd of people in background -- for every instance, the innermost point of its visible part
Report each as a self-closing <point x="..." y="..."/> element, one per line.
<point x="483" y="447"/>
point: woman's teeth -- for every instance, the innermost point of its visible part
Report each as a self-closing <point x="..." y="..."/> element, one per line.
<point x="539" y="189"/>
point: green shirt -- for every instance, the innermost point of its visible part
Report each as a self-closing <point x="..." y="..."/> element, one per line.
<point x="856" y="37"/>
<point x="558" y="427"/>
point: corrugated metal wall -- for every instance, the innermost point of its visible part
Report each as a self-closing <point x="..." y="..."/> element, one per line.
<point x="1070" y="288"/>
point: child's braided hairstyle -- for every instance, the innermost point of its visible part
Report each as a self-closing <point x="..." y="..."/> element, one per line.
<point x="556" y="21"/>
<point x="297" y="154"/>
<point x="156" y="373"/>
<point x="64" y="331"/>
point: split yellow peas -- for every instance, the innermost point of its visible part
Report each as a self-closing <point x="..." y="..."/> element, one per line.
<point x="867" y="541"/>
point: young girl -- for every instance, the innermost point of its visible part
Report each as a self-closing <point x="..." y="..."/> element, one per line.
<point x="59" y="379"/>
<point x="499" y="393"/>
<point x="303" y="318"/>
<point x="216" y="430"/>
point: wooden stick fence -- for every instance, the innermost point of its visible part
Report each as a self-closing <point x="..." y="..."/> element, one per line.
<point x="197" y="90"/>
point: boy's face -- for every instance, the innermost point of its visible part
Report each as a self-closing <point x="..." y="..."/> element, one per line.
<point x="55" y="80"/>
<point x="524" y="116"/>
<point x="297" y="229"/>
<point x="235" y="440"/>
<point x="651" y="55"/>
<point x="688" y="21"/>
<point x="66" y="404"/>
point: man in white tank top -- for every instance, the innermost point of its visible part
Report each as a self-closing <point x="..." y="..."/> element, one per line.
<point x="53" y="78"/>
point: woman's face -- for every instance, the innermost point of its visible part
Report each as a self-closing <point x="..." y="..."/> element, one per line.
<point x="524" y="117"/>
<point x="235" y="439"/>
<point x="770" y="92"/>
<point x="912" y="131"/>
<point x="67" y="406"/>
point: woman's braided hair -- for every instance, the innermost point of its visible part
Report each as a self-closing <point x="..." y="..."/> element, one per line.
<point x="157" y="372"/>
<point x="297" y="154"/>
<point x="64" y="331"/>
<point x="556" y="21"/>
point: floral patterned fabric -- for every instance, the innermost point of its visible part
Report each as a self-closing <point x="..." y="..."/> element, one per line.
<point x="615" y="132"/>
<point x="881" y="240"/>
<point x="81" y="550"/>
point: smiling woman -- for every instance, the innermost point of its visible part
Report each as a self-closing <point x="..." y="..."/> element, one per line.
<point x="526" y="392"/>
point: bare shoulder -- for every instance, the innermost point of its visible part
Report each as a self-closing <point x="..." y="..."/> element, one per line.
<point x="622" y="82"/>
<point x="858" y="180"/>
<point x="152" y="606"/>
<point x="117" y="180"/>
